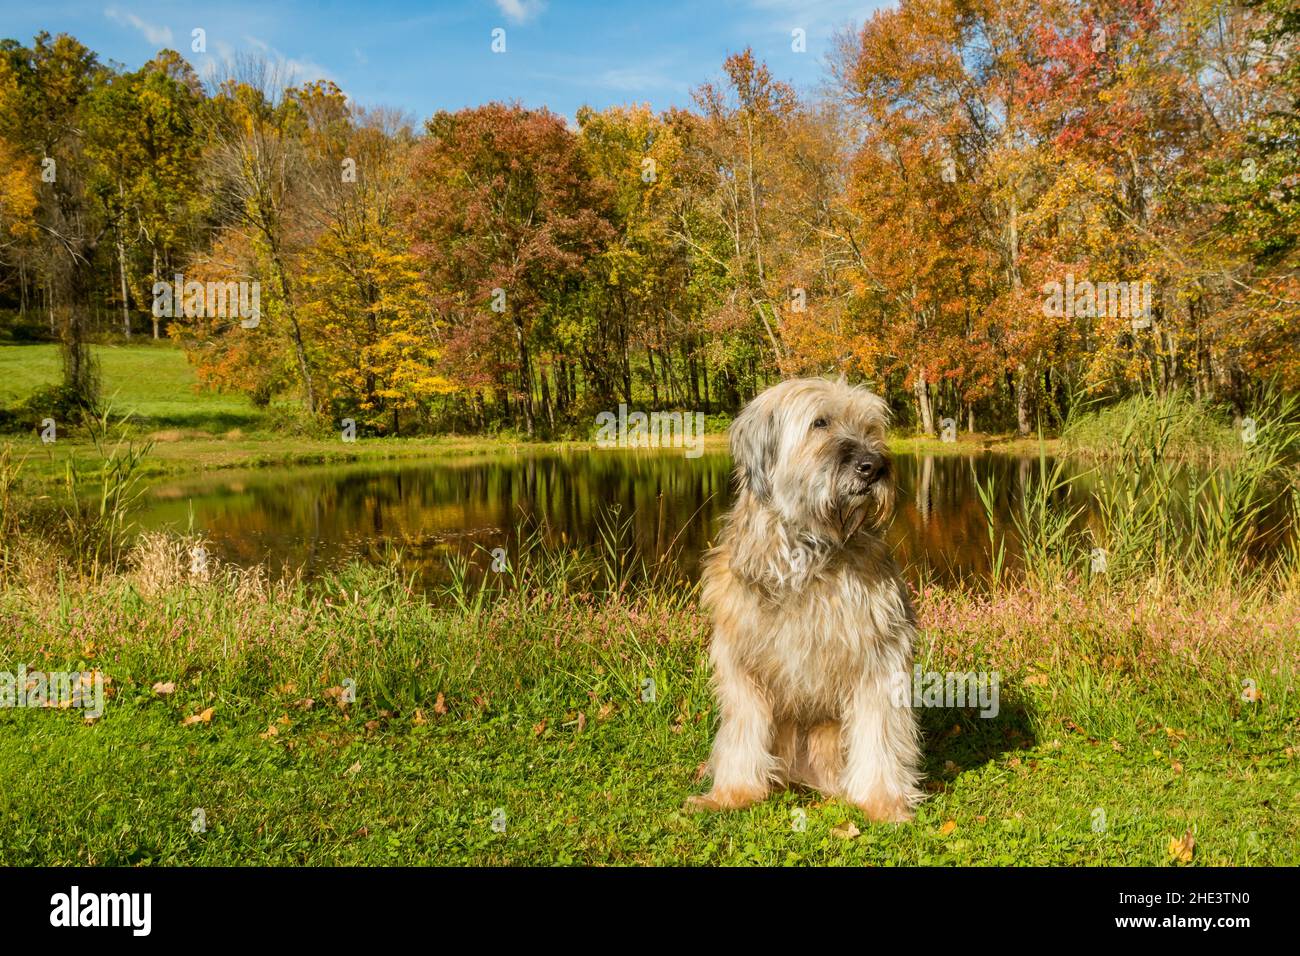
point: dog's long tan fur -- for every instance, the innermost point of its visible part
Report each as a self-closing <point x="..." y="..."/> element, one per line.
<point x="813" y="626"/>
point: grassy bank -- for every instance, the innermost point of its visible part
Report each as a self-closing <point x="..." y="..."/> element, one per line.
<point x="1126" y="720"/>
<point x="155" y="389"/>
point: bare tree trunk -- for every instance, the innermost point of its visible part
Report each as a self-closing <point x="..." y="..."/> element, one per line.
<point x="547" y="408"/>
<point x="1022" y="401"/>
<point x="155" y="279"/>
<point x="121" y="272"/>
<point x="304" y="369"/>
<point x="80" y="374"/>
<point x="525" y="375"/>
<point x="922" y="389"/>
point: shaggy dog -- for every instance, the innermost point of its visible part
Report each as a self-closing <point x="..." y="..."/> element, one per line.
<point x="812" y="625"/>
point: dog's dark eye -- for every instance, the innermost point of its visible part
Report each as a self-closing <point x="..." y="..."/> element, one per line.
<point x="820" y="423"/>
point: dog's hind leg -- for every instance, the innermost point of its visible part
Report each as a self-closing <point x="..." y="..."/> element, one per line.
<point x="787" y="748"/>
<point x="742" y="765"/>
<point x="813" y="755"/>
<point x="824" y="756"/>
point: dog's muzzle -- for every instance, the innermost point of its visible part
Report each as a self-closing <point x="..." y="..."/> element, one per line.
<point x="869" y="467"/>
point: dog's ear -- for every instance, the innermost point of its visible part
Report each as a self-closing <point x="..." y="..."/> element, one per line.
<point x="754" y="447"/>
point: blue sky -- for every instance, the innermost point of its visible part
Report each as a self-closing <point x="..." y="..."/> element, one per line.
<point x="421" y="57"/>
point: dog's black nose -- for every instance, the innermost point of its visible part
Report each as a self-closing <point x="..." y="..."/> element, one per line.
<point x="870" y="465"/>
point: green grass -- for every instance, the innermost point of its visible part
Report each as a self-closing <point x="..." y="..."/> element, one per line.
<point x="1135" y="711"/>
<point x="325" y="793"/>
<point x="1175" y="424"/>
<point x="154" y="383"/>
<point x="194" y="454"/>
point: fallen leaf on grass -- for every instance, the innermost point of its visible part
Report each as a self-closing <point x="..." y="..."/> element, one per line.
<point x="1180" y="851"/>
<point x="605" y="711"/>
<point x="539" y="728"/>
<point x="338" y="695"/>
<point x="419" y="720"/>
<point x="163" y="689"/>
<point x="845" y="831"/>
<point x="203" y="718"/>
<point x="582" y="721"/>
<point x="948" y="827"/>
<point x="440" y="705"/>
<point x="354" y="769"/>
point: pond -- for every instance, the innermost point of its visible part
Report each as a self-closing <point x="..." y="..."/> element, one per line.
<point x="315" y="518"/>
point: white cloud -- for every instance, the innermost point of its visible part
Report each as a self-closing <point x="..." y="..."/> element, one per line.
<point x="158" y="35"/>
<point x="818" y="17"/>
<point x="520" y="11"/>
<point x="637" y="80"/>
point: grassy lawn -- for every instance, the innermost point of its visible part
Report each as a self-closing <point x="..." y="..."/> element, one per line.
<point x="155" y="383"/>
<point x="1121" y="727"/>
<point x="169" y="457"/>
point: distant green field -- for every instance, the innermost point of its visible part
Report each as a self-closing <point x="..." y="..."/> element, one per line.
<point x="152" y="382"/>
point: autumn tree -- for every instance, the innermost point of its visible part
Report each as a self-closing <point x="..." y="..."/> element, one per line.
<point x="44" y="90"/>
<point x="363" y="298"/>
<point x="254" y="172"/>
<point x="504" y="219"/>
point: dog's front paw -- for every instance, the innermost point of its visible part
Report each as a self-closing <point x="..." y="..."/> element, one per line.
<point x="886" y="809"/>
<point x="723" y="799"/>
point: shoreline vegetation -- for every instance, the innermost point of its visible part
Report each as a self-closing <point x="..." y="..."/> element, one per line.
<point x="154" y="392"/>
